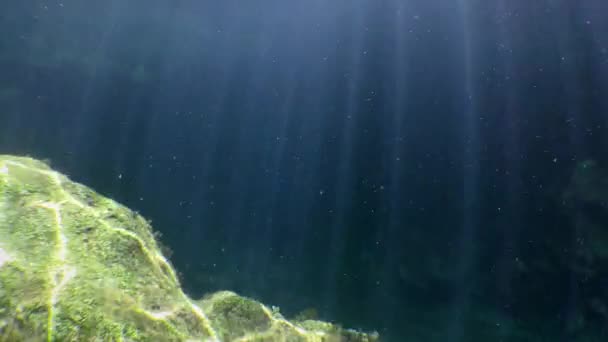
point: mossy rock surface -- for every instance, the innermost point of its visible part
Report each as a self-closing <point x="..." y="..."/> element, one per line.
<point x="76" y="266"/>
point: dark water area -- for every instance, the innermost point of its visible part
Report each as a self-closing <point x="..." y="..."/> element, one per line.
<point x="403" y="166"/>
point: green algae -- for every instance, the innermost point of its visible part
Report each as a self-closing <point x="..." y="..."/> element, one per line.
<point x="76" y="266"/>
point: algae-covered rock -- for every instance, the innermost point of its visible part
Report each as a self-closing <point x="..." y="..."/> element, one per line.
<point x="584" y="254"/>
<point x="76" y="266"/>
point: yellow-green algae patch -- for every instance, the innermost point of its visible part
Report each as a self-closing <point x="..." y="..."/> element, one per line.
<point x="76" y="266"/>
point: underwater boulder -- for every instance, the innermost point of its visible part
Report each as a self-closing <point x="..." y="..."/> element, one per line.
<point x="586" y="257"/>
<point x="76" y="266"/>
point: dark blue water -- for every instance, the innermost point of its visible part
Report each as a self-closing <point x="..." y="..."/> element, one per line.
<point x="403" y="166"/>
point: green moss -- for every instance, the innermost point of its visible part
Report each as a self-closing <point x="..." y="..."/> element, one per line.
<point x="305" y="315"/>
<point x="75" y="266"/>
<point x="236" y="316"/>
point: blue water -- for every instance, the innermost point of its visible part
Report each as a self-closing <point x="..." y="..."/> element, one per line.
<point x="401" y="166"/>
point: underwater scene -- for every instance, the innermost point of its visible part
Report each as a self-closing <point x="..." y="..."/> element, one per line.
<point x="304" y="171"/>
